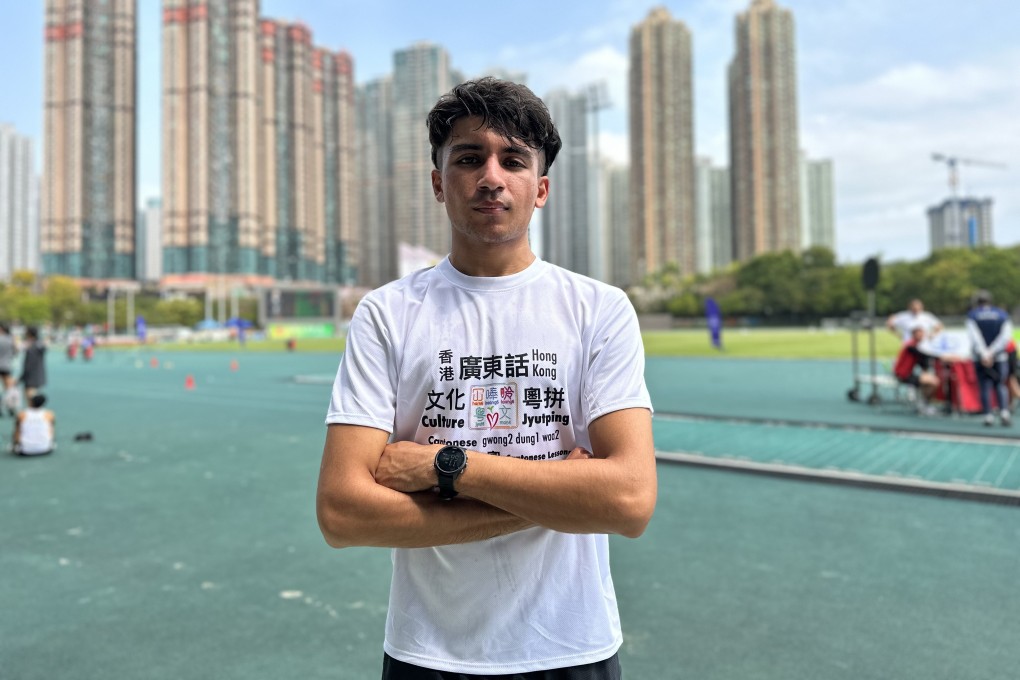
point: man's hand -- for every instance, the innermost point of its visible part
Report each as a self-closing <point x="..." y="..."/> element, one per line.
<point x="407" y="466"/>
<point x="579" y="454"/>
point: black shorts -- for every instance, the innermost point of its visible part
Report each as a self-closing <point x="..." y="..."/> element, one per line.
<point x="912" y="379"/>
<point x="600" y="670"/>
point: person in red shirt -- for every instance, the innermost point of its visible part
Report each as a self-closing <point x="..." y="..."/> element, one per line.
<point x="1013" y="382"/>
<point x="914" y="367"/>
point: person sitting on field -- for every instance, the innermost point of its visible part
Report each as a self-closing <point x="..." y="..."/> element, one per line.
<point x="34" y="431"/>
<point x="914" y="367"/>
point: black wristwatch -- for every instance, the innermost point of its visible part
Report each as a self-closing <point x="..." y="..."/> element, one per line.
<point x="451" y="461"/>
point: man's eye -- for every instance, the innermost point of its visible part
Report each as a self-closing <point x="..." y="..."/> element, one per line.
<point x="514" y="163"/>
<point x="467" y="160"/>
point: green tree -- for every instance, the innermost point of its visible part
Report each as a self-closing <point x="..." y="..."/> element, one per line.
<point x="776" y="276"/>
<point x="946" y="280"/>
<point x="23" y="279"/>
<point x="185" y="312"/>
<point x="33" y="310"/>
<point x="996" y="271"/>
<point x="64" y="298"/>
<point x="818" y="257"/>
<point x="742" y="302"/>
<point x="686" y="304"/>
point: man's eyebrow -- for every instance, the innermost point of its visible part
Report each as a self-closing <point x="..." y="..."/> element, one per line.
<point x="467" y="146"/>
<point x="464" y="146"/>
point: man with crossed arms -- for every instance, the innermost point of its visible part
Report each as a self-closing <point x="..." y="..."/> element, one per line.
<point x="490" y="422"/>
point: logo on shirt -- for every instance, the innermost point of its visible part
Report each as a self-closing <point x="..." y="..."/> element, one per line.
<point x="494" y="406"/>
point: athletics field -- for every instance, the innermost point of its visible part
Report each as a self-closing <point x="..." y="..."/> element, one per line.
<point x="181" y="541"/>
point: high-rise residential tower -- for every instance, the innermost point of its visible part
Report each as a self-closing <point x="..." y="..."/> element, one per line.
<point x="662" y="195"/>
<point x="375" y="181"/>
<point x="722" y="215"/>
<point x="88" y="186"/>
<point x="714" y="238"/>
<point x="19" y="228"/>
<point x="817" y="211"/>
<point x="258" y="161"/>
<point x="566" y="222"/>
<point x="703" y="233"/>
<point x="334" y="135"/>
<point x="616" y="202"/>
<point x="421" y="74"/>
<point x="210" y="212"/>
<point x="764" y="147"/>
<point x="149" y="243"/>
<point x="306" y="171"/>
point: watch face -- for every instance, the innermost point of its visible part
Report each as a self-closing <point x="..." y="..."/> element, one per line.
<point x="450" y="460"/>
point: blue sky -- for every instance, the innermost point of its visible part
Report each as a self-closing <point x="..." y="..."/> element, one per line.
<point x="882" y="85"/>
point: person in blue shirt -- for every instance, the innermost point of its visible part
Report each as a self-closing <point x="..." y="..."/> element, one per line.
<point x="990" y="331"/>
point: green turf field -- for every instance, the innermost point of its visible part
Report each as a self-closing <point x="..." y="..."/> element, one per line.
<point x="794" y="343"/>
<point x="781" y="343"/>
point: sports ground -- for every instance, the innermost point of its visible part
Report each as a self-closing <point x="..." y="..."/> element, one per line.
<point x="797" y="534"/>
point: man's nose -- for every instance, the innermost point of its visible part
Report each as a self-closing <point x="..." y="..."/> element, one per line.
<point x="492" y="174"/>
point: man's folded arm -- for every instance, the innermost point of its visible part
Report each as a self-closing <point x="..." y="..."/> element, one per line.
<point x="354" y="510"/>
<point x="613" y="493"/>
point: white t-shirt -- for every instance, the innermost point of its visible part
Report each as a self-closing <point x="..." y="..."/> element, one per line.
<point x="35" y="433"/>
<point x="512" y="366"/>
<point x="905" y="321"/>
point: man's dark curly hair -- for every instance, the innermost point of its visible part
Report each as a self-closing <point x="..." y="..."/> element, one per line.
<point x="509" y="108"/>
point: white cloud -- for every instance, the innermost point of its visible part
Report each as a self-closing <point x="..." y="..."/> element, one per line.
<point x="918" y="87"/>
<point x="881" y="134"/>
<point x="603" y="63"/>
<point x="879" y="130"/>
<point x="615" y="147"/>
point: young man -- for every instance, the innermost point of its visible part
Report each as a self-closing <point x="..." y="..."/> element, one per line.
<point x="34" y="429"/>
<point x="903" y="323"/>
<point x="914" y="367"/>
<point x="990" y="331"/>
<point x="463" y="413"/>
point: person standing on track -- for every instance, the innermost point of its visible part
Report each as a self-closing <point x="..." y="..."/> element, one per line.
<point x="990" y="331"/>
<point x="33" y="365"/>
<point x="490" y="422"/>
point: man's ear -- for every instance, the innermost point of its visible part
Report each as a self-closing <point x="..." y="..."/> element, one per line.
<point x="543" y="191"/>
<point x="437" y="185"/>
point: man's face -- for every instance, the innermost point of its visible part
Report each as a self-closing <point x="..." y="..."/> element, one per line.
<point x="916" y="307"/>
<point x="490" y="185"/>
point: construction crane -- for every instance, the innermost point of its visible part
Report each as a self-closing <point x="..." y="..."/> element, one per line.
<point x="953" y="161"/>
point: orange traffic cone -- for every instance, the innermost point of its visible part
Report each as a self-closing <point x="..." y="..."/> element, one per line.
<point x="233" y="365"/>
<point x="189" y="382"/>
<point x="154" y="362"/>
